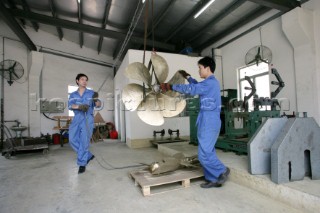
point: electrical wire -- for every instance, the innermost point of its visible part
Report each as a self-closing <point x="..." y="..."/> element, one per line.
<point x="49" y="117"/>
<point x="116" y="168"/>
<point x="89" y="133"/>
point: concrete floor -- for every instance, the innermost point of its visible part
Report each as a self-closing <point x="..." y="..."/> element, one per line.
<point x="49" y="183"/>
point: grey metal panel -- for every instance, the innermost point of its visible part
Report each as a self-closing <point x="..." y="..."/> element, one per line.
<point x="288" y="151"/>
<point x="259" y="146"/>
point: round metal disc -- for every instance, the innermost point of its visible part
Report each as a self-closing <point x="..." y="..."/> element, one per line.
<point x="171" y="106"/>
<point x="132" y="95"/>
<point x="138" y="71"/>
<point x="149" y="111"/>
<point x="161" y="68"/>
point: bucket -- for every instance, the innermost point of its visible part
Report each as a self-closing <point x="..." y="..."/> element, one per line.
<point x="56" y="138"/>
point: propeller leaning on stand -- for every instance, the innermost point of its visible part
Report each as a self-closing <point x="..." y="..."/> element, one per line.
<point x="151" y="104"/>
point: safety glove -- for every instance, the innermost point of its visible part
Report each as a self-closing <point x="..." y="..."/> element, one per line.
<point x="83" y="107"/>
<point x="184" y="74"/>
<point x="165" y="87"/>
<point x="95" y="96"/>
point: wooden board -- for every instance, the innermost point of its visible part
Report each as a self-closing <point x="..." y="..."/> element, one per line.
<point x="146" y="180"/>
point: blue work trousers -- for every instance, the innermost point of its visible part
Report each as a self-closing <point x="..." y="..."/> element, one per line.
<point x="79" y="139"/>
<point x="212" y="166"/>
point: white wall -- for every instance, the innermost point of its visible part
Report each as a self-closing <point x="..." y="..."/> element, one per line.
<point x="137" y="129"/>
<point x="56" y="74"/>
<point x="284" y="60"/>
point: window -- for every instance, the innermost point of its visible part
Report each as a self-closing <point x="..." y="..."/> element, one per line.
<point x="259" y="75"/>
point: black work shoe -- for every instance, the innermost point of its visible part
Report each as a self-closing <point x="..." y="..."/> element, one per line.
<point x="82" y="169"/>
<point x="207" y="185"/>
<point x="224" y="176"/>
<point x="92" y="157"/>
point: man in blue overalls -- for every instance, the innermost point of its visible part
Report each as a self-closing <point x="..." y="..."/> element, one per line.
<point x="208" y="121"/>
<point x="82" y="103"/>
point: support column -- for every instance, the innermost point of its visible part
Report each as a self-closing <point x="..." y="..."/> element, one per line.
<point x="35" y="60"/>
<point x="299" y="27"/>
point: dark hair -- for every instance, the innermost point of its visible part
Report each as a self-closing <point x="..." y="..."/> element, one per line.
<point x="208" y="62"/>
<point x="79" y="76"/>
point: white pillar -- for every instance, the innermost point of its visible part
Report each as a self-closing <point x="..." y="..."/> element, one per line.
<point x="299" y="27"/>
<point x="35" y="60"/>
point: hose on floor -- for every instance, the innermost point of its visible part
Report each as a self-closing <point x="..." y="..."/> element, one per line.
<point x="97" y="156"/>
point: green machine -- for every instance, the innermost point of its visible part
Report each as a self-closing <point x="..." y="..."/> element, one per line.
<point x="193" y="108"/>
<point x="238" y="125"/>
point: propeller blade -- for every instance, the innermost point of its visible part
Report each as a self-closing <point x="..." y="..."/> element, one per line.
<point x="161" y="68"/>
<point x="171" y="106"/>
<point x="138" y="71"/>
<point x="252" y="61"/>
<point x="12" y="67"/>
<point x="149" y="111"/>
<point x="132" y="95"/>
<point x="177" y="78"/>
<point x="15" y="74"/>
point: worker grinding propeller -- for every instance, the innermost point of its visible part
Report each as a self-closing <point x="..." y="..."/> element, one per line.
<point x="82" y="102"/>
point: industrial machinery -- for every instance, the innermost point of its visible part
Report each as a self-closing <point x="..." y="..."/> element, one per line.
<point x="193" y="109"/>
<point x="238" y="123"/>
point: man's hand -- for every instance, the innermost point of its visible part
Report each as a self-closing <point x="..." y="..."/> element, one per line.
<point x="83" y="107"/>
<point x="184" y="74"/>
<point x="165" y="87"/>
<point x="95" y="96"/>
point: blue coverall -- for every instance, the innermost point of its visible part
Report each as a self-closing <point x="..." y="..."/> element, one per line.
<point x="81" y="127"/>
<point x="208" y="123"/>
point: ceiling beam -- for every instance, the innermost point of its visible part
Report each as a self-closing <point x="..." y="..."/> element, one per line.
<point x="26" y="8"/>
<point x="86" y="28"/>
<point x="80" y="22"/>
<point x="282" y="5"/>
<point x="12" y="5"/>
<point x="161" y="15"/>
<point x="251" y="29"/>
<point x="185" y="20"/>
<point x="15" y="27"/>
<point x="231" y="7"/>
<point x="243" y="21"/>
<point x="156" y="21"/>
<point x="54" y="14"/>
<point x="105" y="21"/>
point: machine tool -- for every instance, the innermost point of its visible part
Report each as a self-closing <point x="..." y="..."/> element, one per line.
<point x="238" y="123"/>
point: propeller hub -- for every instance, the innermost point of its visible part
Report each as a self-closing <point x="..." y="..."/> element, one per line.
<point x="156" y="88"/>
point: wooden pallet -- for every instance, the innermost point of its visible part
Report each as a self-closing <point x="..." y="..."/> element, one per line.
<point x="146" y="180"/>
